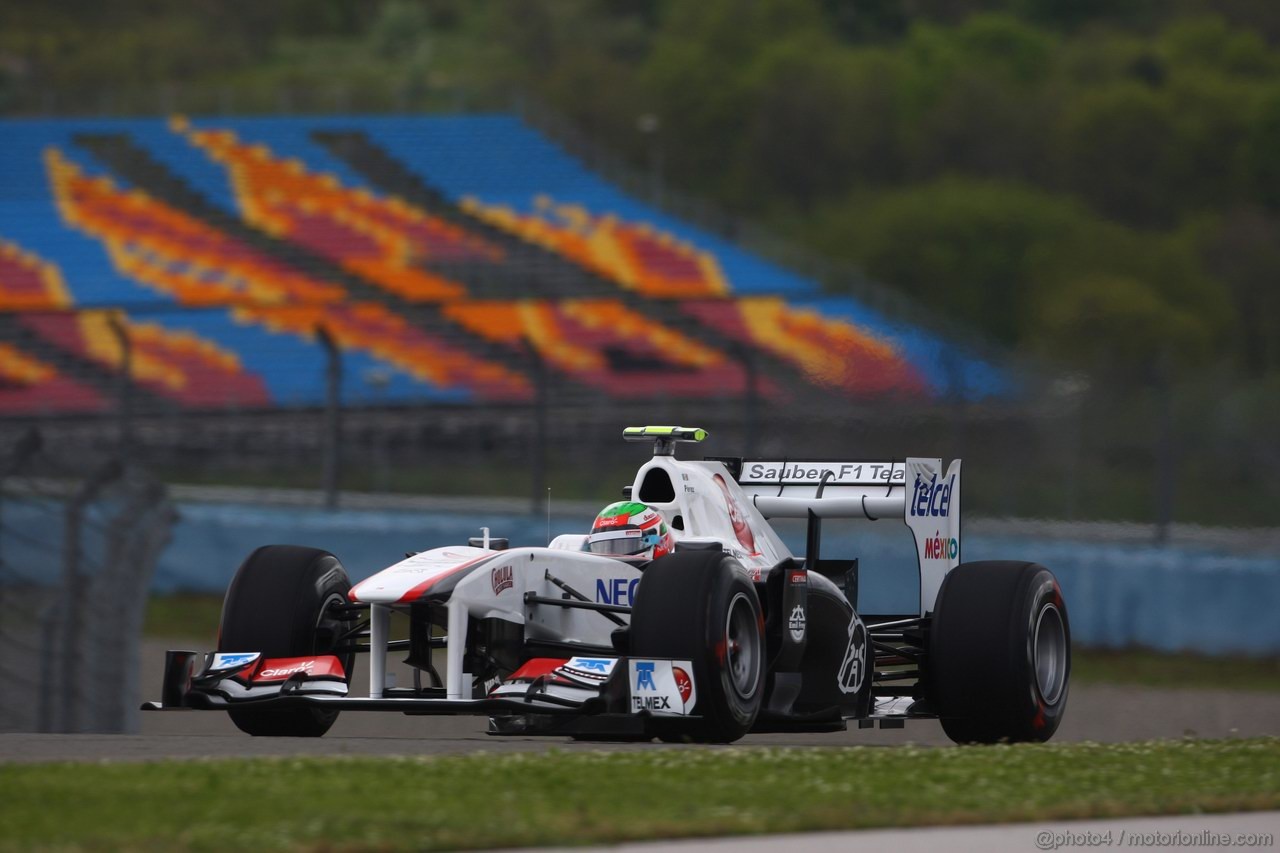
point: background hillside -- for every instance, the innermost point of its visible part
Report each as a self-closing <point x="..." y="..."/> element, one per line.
<point x="1093" y="186"/>
<point x="1095" y="181"/>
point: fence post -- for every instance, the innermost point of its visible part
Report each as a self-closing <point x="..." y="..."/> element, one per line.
<point x="124" y="390"/>
<point x="48" y="645"/>
<point x="750" y="398"/>
<point x="332" y="416"/>
<point x="27" y="446"/>
<point x="74" y="591"/>
<point x="133" y="543"/>
<point x="1165" y="461"/>
<point x="538" y="497"/>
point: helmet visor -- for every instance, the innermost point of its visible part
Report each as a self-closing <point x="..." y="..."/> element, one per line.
<point x="622" y="543"/>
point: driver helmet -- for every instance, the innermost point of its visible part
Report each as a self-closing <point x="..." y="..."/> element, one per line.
<point x="630" y="529"/>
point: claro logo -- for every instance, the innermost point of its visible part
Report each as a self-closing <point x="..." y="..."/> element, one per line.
<point x="932" y="498"/>
<point x="304" y="666"/>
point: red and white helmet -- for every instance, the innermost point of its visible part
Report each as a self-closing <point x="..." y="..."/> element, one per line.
<point x="630" y="529"/>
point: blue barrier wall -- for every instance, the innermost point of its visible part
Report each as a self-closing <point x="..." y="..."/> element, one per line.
<point x="1162" y="598"/>
<point x="1119" y="595"/>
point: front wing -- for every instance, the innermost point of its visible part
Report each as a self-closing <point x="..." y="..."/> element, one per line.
<point x="626" y="690"/>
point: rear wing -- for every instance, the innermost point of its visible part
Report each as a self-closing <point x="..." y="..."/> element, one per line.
<point x="915" y="490"/>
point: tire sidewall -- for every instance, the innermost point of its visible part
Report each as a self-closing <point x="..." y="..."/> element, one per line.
<point x="680" y="613"/>
<point x="1036" y="717"/>
<point x="722" y="700"/>
<point x="274" y="606"/>
<point x="982" y="669"/>
<point x="276" y="599"/>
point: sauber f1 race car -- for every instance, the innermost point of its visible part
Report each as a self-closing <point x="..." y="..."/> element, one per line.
<point x="682" y="615"/>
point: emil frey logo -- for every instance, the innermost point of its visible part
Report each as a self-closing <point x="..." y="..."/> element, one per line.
<point x="644" y="676"/>
<point x="796" y="623"/>
<point x="932" y="498"/>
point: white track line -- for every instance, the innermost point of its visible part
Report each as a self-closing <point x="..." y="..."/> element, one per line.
<point x="1178" y="832"/>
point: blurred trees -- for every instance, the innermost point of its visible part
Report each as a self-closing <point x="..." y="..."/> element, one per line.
<point x="1097" y="181"/>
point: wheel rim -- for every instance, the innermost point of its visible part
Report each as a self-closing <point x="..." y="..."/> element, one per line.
<point x="327" y="624"/>
<point x="742" y="640"/>
<point x="1050" y="653"/>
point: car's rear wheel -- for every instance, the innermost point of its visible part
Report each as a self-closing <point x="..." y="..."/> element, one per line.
<point x="279" y="604"/>
<point x="701" y="607"/>
<point x="999" y="663"/>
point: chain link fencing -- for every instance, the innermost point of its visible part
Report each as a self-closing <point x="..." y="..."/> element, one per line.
<point x="80" y="534"/>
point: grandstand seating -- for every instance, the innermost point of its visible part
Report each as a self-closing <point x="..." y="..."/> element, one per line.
<point x="179" y="365"/>
<point x="29" y="386"/>
<point x="27" y="283"/>
<point x="383" y="240"/>
<point x="436" y="252"/>
<point x="633" y="254"/>
<point x="201" y="266"/>
<point x="173" y="252"/>
<point x="606" y="346"/>
<point x="371" y="327"/>
<point x="834" y="354"/>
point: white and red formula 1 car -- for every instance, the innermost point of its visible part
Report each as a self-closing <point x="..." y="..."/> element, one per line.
<point x="727" y="634"/>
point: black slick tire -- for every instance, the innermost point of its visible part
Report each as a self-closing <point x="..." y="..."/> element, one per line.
<point x="999" y="663"/>
<point x="700" y="606"/>
<point x="277" y="604"/>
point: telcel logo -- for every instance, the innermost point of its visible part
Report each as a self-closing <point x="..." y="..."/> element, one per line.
<point x="932" y="498"/>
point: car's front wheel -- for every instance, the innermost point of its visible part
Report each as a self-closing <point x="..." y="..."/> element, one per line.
<point x="278" y="604"/>
<point x="700" y="606"/>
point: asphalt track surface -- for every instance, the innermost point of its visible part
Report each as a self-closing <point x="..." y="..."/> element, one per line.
<point x="1094" y="713"/>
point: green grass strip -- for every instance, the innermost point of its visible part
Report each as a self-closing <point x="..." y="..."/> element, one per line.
<point x="517" y="799"/>
<point x="1144" y="668"/>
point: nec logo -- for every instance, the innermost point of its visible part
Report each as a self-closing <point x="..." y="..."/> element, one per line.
<point x="617" y="591"/>
<point x="932" y="498"/>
